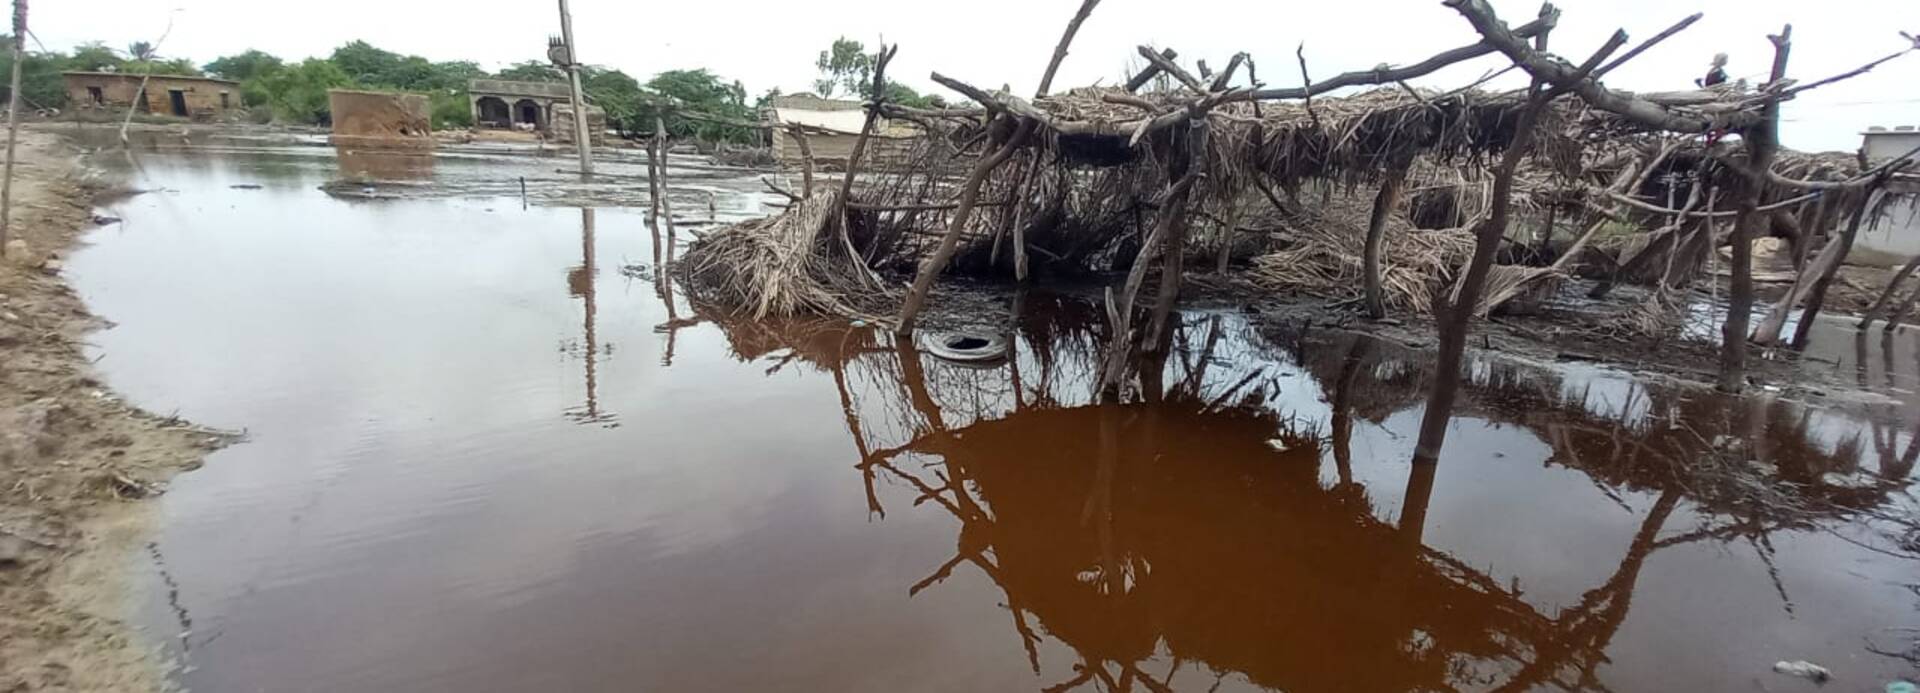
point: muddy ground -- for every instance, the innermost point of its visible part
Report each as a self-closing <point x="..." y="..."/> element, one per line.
<point x="75" y="462"/>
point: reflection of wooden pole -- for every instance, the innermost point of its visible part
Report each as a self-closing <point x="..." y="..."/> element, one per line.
<point x="1343" y="406"/>
<point x="586" y="260"/>
<point x="13" y="120"/>
<point x="1413" y="506"/>
<point x="581" y="142"/>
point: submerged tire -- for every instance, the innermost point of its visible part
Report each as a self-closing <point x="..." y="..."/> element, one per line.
<point x="967" y="347"/>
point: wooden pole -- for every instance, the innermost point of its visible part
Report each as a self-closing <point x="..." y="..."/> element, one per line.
<point x="13" y="120"/>
<point x="806" y="157"/>
<point x="1762" y="144"/>
<point x="582" y="143"/>
<point x="1060" y="51"/>
<point x="1456" y="315"/>
<point x="654" y="187"/>
<point x="660" y="176"/>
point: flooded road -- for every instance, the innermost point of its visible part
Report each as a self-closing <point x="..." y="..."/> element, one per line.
<point x="484" y="458"/>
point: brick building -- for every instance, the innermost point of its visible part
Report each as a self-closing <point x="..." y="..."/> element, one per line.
<point x="199" y="98"/>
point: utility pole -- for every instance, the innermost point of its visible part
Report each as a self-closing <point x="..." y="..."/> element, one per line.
<point x="582" y="143"/>
<point x="13" y="119"/>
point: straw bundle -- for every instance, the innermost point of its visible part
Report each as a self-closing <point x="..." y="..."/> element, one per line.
<point x="1323" y="254"/>
<point x="784" y="265"/>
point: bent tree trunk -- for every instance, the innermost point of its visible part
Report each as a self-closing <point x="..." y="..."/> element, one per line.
<point x="1383" y="205"/>
<point x="1763" y="141"/>
<point x="1818" y="294"/>
<point x="1770" y="326"/>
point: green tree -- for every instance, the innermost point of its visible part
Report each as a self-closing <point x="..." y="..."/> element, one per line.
<point x="176" y="66"/>
<point x="533" y="71"/>
<point x="244" y="66"/>
<point x="701" y="91"/>
<point x="93" y="56"/>
<point x="845" y="65"/>
<point x="298" y="93"/>
<point x="366" y="64"/>
<point x="40" y="83"/>
<point x="906" y="96"/>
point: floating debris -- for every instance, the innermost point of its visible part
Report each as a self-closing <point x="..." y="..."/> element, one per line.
<point x="1803" y="669"/>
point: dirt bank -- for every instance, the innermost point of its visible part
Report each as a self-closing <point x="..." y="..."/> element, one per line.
<point x="75" y="462"/>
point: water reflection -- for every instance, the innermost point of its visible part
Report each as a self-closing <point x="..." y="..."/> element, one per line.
<point x="813" y="506"/>
<point x="1190" y="538"/>
<point x="384" y="165"/>
<point x="580" y="284"/>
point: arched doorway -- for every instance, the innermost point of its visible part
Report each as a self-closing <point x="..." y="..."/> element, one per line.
<point x="492" y="111"/>
<point x="527" y="111"/>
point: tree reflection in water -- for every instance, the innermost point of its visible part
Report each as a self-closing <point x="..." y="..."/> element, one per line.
<point x="1190" y="527"/>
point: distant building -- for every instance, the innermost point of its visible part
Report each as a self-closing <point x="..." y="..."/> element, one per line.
<point x="199" y="98"/>
<point x="498" y="103"/>
<point x="833" y="126"/>
<point x="543" y="107"/>
<point x="1898" y="232"/>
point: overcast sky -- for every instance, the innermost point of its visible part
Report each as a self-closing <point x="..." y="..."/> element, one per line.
<point x="773" y="43"/>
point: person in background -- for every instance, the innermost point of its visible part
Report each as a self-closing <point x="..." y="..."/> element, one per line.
<point x="1716" y="74"/>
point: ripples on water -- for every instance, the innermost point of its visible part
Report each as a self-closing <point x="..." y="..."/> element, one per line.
<point x="484" y="459"/>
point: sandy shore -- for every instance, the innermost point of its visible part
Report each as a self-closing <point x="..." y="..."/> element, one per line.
<point x="78" y="467"/>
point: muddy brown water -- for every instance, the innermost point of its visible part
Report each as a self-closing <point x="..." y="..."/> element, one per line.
<point x="482" y="458"/>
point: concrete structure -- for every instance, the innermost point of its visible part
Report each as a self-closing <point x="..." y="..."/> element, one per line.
<point x="380" y="120"/>
<point x="499" y="103"/>
<point x="1898" y="231"/>
<point x="199" y="98"/>
<point x="833" y="127"/>
<point x="543" y="107"/>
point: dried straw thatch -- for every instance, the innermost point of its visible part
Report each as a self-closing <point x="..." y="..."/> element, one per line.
<point x="1324" y="255"/>
<point x="788" y="264"/>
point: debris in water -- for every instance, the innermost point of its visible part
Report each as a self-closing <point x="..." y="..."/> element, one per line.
<point x="1278" y="445"/>
<point x="245" y="186"/>
<point x="1803" y="669"/>
<point x="103" y="220"/>
<point x="968" y="347"/>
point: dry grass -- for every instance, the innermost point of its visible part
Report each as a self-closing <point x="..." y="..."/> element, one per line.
<point x="1323" y="253"/>
<point x="788" y="264"/>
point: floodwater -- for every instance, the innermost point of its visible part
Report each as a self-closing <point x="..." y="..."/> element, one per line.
<point x="483" y="457"/>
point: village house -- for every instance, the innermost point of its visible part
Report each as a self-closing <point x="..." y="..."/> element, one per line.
<point x="543" y="107"/>
<point x="1898" y="231"/>
<point x="199" y="98"/>
<point x="832" y="126"/>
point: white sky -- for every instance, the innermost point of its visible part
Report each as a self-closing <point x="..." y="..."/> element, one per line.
<point x="771" y="43"/>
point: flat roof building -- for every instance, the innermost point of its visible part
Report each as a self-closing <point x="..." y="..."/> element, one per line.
<point x="199" y="98"/>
